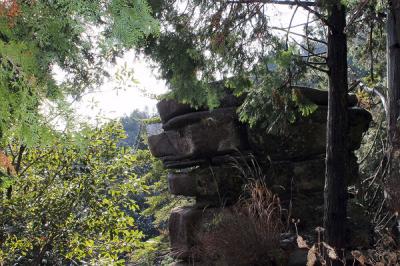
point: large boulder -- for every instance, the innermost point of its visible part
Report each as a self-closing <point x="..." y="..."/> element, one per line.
<point x="300" y="186"/>
<point x="171" y="108"/>
<point x="183" y="226"/>
<point x="306" y="137"/>
<point x="319" y="97"/>
<point x="214" y="134"/>
<point x="160" y="146"/>
<point x="214" y="185"/>
<point x="186" y="226"/>
<point x="222" y="114"/>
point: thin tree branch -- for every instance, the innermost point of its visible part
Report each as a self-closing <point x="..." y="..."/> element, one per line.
<point x="314" y="12"/>
<point x="275" y="2"/>
<point x="11" y="151"/>
<point x="316" y="63"/>
<point x="377" y="93"/>
<point x="311" y="53"/>
<point x="290" y="26"/>
<point x="35" y="161"/>
<point x="298" y="34"/>
<point x="19" y="158"/>
<point x="358" y="12"/>
<point x="317" y="68"/>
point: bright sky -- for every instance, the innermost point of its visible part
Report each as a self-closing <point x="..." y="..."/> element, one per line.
<point x="115" y="99"/>
<point x="111" y="103"/>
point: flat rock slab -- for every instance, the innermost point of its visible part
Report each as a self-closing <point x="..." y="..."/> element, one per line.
<point x="160" y="146"/>
<point x="171" y="108"/>
<point x="307" y="136"/>
<point x="176" y="163"/>
<point x="212" y="184"/>
<point x="182" y="162"/>
<point x="220" y="114"/>
<point x="217" y="133"/>
<point x="319" y="97"/>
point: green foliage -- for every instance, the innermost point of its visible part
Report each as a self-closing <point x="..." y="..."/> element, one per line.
<point x="79" y="36"/>
<point x="134" y="127"/>
<point x="270" y="98"/>
<point x="132" y="21"/>
<point x="159" y="203"/>
<point x="196" y="50"/>
<point x="232" y="43"/>
<point x="69" y="202"/>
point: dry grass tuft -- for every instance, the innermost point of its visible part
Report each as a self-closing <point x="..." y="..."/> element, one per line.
<point x="248" y="233"/>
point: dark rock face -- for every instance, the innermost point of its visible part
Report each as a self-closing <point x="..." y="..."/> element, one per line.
<point x="320" y="97"/>
<point x="215" y="185"/>
<point x="307" y="136"/>
<point x="170" y="108"/>
<point x="298" y="257"/>
<point x="183" y="226"/>
<point x="198" y="135"/>
<point x="208" y="153"/>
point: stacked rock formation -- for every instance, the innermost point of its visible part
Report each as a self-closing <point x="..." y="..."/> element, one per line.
<point x="199" y="146"/>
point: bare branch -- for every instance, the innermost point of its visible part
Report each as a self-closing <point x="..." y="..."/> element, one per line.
<point x="275" y="2"/>
<point x="359" y="11"/>
<point x="301" y="35"/>
<point x="310" y="52"/>
<point x="317" y="68"/>
<point x="290" y="26"/>
<point x="377" y="93"/>
<point x="314" y="12"/>
<point x="317" y="63"/>
<point x="19" y="158"/>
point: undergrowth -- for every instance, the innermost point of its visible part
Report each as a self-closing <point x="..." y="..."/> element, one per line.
<point x="248" y="233"/>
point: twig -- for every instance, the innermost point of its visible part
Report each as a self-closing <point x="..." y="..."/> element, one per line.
<point x="290" y="26"/>
<point x="317" y="68"/>
<point x="275" y="2"/>
<point x="376" y="92"/>
<point x="314" y="12"/>
<point x="299" y="34"/>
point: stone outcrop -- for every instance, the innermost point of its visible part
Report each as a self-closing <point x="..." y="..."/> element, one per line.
<point x="207" y="152"/>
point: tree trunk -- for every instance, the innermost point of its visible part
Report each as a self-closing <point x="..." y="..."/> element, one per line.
<point x="393" y="72"/>
<point x="335" y="194"/>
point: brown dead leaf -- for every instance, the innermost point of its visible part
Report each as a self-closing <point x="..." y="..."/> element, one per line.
<point x="331" y="251"/>
<point x="312" y="256"/>
<point x="359" y="257"/>
<point x="362" y="260"/>
<point x="332" y="254"/>
<point x="301" y="243"/>
<point x="392" y="257"/>
<point x="6" y="164"/>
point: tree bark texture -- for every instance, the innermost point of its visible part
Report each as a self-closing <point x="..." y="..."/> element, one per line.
<point x="335" y="194"/>
<point x="393" y="72"/>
